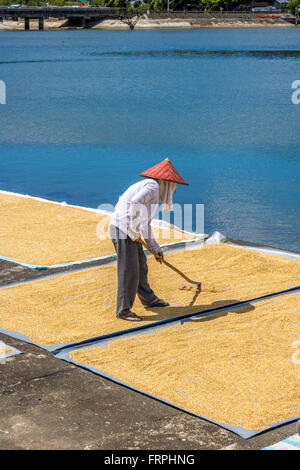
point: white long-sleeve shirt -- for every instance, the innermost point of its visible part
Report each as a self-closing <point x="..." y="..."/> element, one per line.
<point x="135" y="210"/>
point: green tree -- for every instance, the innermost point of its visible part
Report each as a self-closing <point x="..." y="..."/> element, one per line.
<point x="130" y="14"/>
<point x="120" y="3"/>
<point x="158" y="5"/>
<point x="98" y="3"/>
<point x="292" y="6"/>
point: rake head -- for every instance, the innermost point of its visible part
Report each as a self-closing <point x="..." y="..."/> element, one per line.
<point x="200" y="287"/>
<point x="191" y="287"/>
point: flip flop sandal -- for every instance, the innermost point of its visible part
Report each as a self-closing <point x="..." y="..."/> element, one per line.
<point x="130" y="316"/>
<point x="158" y="303"/>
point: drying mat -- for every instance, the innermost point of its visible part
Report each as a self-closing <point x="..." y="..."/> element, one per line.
<point x="291" y="443"/>
<point x="7" y="351"/>
<point x="39" y="233"/>
<point x="78" y="306"/>
<point x="235" y="368"/>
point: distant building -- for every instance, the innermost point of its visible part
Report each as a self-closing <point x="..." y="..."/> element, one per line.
<point x="83" y="3"/>
<point x="259" y="4"/>
<point x="194" y="6"/>
<point x="262" y="6"/>
<point x="281" y="4"/>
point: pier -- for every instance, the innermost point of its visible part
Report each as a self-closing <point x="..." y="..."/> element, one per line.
<point x="79" y="16"/>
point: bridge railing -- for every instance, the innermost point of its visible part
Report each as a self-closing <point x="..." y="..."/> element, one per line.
<point x="63" y="11"/>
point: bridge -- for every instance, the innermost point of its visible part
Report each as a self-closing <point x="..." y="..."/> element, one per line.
<point x="77" y="15"/>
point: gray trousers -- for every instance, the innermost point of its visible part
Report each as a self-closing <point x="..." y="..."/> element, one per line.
<point x="132" y="272"/>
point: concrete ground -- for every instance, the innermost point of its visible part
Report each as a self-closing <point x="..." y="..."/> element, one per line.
<point x="47" y="403"/>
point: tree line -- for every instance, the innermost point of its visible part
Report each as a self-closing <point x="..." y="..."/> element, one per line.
<point x="154" y="5"/>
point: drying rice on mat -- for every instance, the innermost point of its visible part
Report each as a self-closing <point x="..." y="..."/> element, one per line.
<point x="234" y="367"/>
<point x="43" y="233"/>
<point x="76" y="306"/>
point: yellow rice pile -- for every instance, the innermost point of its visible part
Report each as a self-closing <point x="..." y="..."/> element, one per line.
<point x="239" y="368"/>
<point x="75" y="306"/>
<point x="42" y="233"/>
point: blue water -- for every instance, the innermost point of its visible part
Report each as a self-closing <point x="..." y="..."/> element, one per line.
<point x="88" y="110"/>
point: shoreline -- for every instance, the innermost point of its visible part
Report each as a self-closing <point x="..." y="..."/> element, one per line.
<point x="207" y="22"/>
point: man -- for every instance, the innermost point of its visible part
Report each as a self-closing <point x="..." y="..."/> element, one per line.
<point x="131" y="221"/>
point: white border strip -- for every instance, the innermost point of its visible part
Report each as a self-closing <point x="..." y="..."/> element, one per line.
<point x="13" y="352"/>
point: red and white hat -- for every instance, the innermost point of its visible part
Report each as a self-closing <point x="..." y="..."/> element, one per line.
<point x="164" y="171"/>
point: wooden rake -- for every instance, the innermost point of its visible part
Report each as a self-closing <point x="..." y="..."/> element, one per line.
<point x="192" y="285"/>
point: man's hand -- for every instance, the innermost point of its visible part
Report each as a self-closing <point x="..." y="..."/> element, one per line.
<point x="139" y="240"/>
<point x="159" y="256"/>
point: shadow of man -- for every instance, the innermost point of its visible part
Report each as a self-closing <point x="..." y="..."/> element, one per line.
<point x="223" y="308"/>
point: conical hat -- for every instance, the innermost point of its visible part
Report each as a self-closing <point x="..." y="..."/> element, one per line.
<point x="164" y="171"/>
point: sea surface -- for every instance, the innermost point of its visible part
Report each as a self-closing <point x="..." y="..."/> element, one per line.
<point x="86" y="111"/>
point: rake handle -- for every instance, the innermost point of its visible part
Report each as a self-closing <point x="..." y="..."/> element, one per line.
<point x="171" y="266"/>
